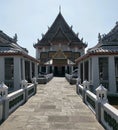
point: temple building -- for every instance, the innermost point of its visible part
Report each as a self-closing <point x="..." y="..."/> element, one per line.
<point x="100" y="64"/>
<point x="15" y="63"/>
<point x="58" y="48"/>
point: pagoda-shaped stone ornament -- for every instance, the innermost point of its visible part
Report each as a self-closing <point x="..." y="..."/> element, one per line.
<point x="24" y="83"/>
<point x="3" y="90"/>
<point x="34" y="80"/>
<point x="86" y="84"/>
<point x="101" y="93"/>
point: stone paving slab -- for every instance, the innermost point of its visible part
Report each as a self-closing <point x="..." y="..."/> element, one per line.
<point x="56" y="106"/>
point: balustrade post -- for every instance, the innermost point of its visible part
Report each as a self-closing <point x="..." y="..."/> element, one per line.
<point x="24" y="86"/>
<point x="34" y="80"/>
<point x="77" y="85"/>
<point x="4" y="101"/>
<point x="101" y="93"/>
<point x="85" y="87"/>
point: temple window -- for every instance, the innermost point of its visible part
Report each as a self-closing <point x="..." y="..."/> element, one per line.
<point x="33" y="69"/>
<point x="9" y="73"/>
<point x="103" y="71"/>
<point x="116" y="72"/>
<point x="81" y="72"/>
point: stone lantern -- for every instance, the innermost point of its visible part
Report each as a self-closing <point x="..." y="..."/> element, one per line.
<point x="86" y="84"/>
<point x="101" y="93"/>
<point x="3" y="90"/>
<point x="24" y="83"/>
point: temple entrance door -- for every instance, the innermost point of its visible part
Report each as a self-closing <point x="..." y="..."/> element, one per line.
<point x="59" y="71"/>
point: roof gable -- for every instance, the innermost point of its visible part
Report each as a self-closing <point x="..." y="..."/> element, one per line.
<point x="59" y="55"/>
<point x="8" y="44"/>
<point x="60" y="36"/>
<point x="59" y="25"/>
<point x="107" y="42"/>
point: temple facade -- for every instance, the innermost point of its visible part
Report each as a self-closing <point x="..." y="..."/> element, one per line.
<point x="58" y="48"/>
<point x="15" y="63"/>
<point x="100" y="64"/>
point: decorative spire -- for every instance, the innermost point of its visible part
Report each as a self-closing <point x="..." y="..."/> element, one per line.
<point x="60" y="9"/>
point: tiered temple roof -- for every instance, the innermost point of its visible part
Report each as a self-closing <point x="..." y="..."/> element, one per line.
<point x="60" y="32"/>
<point x="9" y="45"/>
<point x="107" y="43"/>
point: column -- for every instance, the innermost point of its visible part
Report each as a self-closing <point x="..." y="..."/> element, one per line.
<point x="1" y="110"/>
<point x="83" y="72"/>
<point x="46" y="69"/>
<point x="79" y="71"/>
<point x="71" y="69"/>
<point x="23" y="64"/>
<point x="36" y="70"/>
<point x="2" y="70"/>
<point x="66" y="69"/>
<point x="111" y="72"/>
<point x="30" y="70"/>
<point x="89" y="70"/>
<point x="95" y="72"/>
<point x="17" y="73"/>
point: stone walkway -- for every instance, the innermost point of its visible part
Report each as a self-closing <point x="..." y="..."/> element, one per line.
<point x="56" y="106"/>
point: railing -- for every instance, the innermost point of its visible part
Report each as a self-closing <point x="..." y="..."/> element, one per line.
<point x="13" y="100"/>
<point x="109" y="117"/>
<point x="30" y="90"/>
<point x="90" y="100"/>
<point x="44" y="78"/>
<point x="104" y="112"/>
<point x="80" y="90"/>
<point x="70" y="79"/>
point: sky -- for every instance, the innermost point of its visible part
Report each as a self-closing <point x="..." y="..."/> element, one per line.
<point x="31" y="18"/>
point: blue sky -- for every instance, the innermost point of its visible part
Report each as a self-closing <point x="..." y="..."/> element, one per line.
<point x="30" y="18"/>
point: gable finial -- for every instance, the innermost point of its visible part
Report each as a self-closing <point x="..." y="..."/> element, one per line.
<point x="59" y="9"/>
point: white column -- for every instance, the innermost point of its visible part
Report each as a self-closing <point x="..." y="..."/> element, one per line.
<point x="83" y="72"/>
<point x="46" y="69"/>
<point x="36" y="70"/>
<point x="2" y="69"/>
<point x="79" y="70"/>
<point x="30" y="70"/>
<point x="111" y="72"/>
<point x="71" y="69"/>
<point x="37" y="54"/>
<point x="89" y="70"/>
<point x="95" y="72"/>
<point x="1" y="109"/>
<point x="23" y="62"/>
<point x="17" y="73"/>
